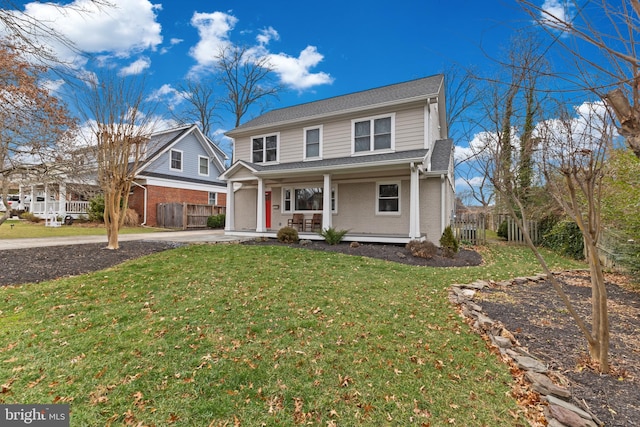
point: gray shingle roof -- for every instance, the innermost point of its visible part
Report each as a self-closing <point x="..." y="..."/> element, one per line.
<point x="421" y="88"/>
<point x="341" y="161"/>
<point x="441" y="156"/>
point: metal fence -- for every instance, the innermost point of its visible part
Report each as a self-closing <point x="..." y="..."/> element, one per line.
<point x="185" y="216"/>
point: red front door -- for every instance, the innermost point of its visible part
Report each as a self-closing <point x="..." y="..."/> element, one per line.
<point x="267" y="209"/>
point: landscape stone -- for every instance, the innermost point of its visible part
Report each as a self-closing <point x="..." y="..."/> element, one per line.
<point x="502" y="342"/>
<point x="566" y="405"/>
<point x="543" y="385"/>
<point x="484" y="321"/>
<point x="569" y="418"/>
<point x="530" y="364"/>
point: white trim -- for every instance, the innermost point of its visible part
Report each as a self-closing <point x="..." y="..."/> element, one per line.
<point x="377" y="198"/>
<point x="304" y="138"/>
<point x="264" y="147"/>
<point x="161" y="182"/>
<point x="171" y="168"/>
<point x="372" y="120"/>
<point x="208" y="159"/>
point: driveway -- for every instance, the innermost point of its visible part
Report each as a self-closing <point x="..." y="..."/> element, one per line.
<point x="193" y="236"/>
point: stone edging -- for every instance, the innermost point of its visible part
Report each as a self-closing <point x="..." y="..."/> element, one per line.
<point x="559" y="409"/>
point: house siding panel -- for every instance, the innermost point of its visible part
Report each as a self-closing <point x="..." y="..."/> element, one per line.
<point x="191" y="149"/>
<point x="410" y="129"/>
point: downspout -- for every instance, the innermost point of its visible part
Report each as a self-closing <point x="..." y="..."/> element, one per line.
<point x="443" y="208"/>
<point x="144" y="202"/>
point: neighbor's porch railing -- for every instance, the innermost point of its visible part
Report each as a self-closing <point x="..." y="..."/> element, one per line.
<point x="73" y="207"/>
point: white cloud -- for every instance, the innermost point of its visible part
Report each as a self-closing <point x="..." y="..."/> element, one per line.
<point x="556" y="13"/>
<point x="127" y="28"/>
<point x="294" y="72"/>
<point x="169" y="95"/>
<point x="136" y="67"/>
<point x="266" y="35"/>
<point x="214" y="29"/>
<point x="53" y="85"/>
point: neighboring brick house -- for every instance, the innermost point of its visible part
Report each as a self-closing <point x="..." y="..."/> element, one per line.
<point x="181" y="165"/>
<point x="377" y="163"/>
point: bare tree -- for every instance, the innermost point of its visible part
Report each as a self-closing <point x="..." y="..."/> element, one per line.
<point x="121" y="121"/>
<point x="33" y="124"/>
<point x="610" y="70"/>
<point x="202" y="104"/>
<point x="574" y="153"/>
<point x="246" y="78"/>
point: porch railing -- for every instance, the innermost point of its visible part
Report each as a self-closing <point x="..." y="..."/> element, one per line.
<point x="71" y="207"/>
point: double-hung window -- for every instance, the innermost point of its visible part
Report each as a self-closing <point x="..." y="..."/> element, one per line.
<point x="264" y="148"/>
<point x="388" y="198"/>
<point x="203" y="166"/>
<point x="312" y="142"/>
<point x="176" y="160"/>
<point x="374" y="134"/>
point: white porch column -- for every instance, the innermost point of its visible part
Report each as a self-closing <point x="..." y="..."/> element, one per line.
<point x="326" y="202"/>
<point x="414" y="204"/>
<point x="62" y="200"/>
<point x="20" y="197"/>
<point x="230" y="208"/>
<point x="46" y="200"/>
<point x="33" y="198"/>
<point x="260" y="226"/>
<point x="443" y="201"/>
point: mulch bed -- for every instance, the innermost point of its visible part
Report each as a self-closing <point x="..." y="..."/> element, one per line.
<point x="533" y="313"/>
<point x="540" y="322"/>
<point x="33" y="265"/>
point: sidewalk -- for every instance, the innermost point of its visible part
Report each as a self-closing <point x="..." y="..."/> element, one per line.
<point x="194" y="236"/>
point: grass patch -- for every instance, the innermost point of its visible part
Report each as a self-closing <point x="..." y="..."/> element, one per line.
<point x="257" y="335"/>
<point x="25" y="229"/>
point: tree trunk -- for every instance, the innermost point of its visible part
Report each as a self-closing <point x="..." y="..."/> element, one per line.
<point x="599" y="349"/>
<point x="112" y="219"/>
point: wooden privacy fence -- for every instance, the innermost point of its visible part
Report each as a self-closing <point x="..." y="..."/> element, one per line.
<point x="185" y="216"/>
<point x="470" y="229"/>
<point x="516" y="235"/>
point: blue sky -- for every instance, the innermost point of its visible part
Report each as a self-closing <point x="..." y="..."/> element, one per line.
<point x="318" y="49"/>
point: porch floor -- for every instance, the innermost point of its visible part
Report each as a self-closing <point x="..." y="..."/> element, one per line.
<point x="349" y="237"/>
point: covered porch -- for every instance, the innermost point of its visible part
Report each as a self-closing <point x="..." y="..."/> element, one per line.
<point x="390" y="199"/>
<point x="52" y="200"/>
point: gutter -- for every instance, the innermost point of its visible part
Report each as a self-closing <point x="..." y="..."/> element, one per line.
<point x="144" y="216"/>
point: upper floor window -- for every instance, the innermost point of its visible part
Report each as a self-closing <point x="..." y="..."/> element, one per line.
<point x="372" y="134"/>
<point x="176" y="160"/>
<point x="203" y="166"/>
<point x="264" y="148"/>
<point x="312" y="142"/>
<point x="388" y="198"/>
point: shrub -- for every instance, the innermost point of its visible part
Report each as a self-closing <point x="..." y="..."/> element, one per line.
<point x="422" y="248"/>
<point x="96" y="208"/>
<point x="503" y="230"/>
<point x="216" y="221"/>
<point x="332" y="236"/>
<point x="131" y="218"/>
<point x="565" y="238"/>
<point x="449" y="243"/>
<point x="288" y="235"/>
<point x="28" y="216"/>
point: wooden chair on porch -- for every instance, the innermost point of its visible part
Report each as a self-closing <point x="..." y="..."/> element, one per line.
<point x="314" y="223"/>
<point x="297" y="222"/>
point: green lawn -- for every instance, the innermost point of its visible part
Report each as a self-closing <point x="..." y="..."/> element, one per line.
<point x="26" y="229"/>
<point x="258" y="335"/>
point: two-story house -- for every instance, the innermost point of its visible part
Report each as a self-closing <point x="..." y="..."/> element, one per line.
<point x="377" y="163"/>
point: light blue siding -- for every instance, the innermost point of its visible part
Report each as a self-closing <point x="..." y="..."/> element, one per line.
<point x="191" y="150"/>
